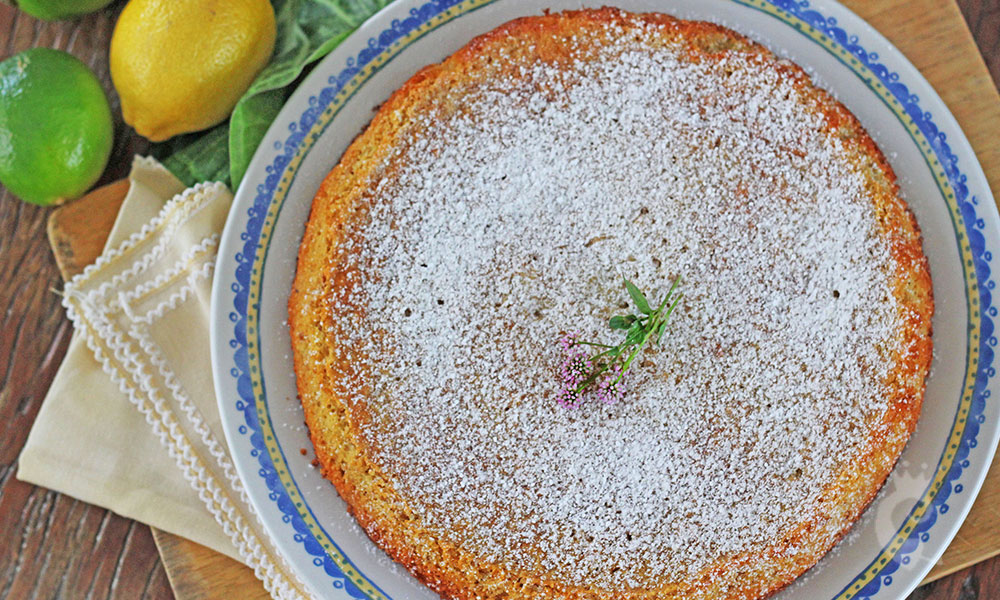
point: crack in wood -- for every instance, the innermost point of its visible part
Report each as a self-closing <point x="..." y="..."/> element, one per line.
<point x="970" y="588"/>
<point x="115" y="577"/>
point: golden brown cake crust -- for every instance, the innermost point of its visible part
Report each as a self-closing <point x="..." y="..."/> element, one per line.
<point x="324" y="298"/>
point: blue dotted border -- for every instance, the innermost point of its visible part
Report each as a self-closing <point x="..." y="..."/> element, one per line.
<point x="981" y="256"/>
<point x="245" y="268"/>
<point x="419" y="16"/>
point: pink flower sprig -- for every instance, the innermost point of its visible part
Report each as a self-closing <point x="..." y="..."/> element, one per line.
<point x="605" y="371"/>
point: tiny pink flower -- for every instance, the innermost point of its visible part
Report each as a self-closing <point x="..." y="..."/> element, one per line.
<point x="611" y="389"/>
<point x="573" y="371"/>
<point x="601" y="371"/>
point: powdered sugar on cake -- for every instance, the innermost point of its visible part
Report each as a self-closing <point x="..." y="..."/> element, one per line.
<point x="500" y="225"/>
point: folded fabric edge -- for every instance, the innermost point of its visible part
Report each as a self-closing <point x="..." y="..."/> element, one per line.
<point x="104" y="342"/>
<point x="215" y="499"/>
<point x="151" y="186"/>
<point x="173" y="211"/>
<point x="139" y="504"/>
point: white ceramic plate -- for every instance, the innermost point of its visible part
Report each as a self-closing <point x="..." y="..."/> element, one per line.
<point x="929" y="493"/>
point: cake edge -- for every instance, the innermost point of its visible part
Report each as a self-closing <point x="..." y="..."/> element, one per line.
<point x="340" y="189"/>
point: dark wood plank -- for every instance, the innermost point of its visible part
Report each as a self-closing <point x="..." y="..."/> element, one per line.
<point x="979" y="582"/>
<point x="55" y="546"/>
<point x="983" y="18"/>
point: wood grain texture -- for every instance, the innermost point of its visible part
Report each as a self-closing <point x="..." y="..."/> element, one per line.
<point x="983" y="19"/>
<point x="56" y="547"/>
<point x="199" y="573"/>
<point x="934" y="37"/>
<point x="77" y="231"/>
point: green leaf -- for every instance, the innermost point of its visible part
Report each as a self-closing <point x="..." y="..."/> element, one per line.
<point x="637" y="297"/>
<point x="621" y="321"/>
<point x="307" y="30"/>
<point x="249" y="123"/>
<point x="666" y="316"/>
<point x="194" y="159"/>
<point x="635" y="334"/>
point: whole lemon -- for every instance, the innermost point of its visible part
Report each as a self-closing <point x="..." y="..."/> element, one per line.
<point x="55" y="126"/>
<point x="181" y="65"/>
<point x="52" y="10"/>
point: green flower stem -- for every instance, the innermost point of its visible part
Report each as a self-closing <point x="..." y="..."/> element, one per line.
<point x="659" y="318"/>
<point x="596" y="345"/>
<point x="653" y="323"/>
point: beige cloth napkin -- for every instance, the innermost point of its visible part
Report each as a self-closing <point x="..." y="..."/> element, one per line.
<point x="131" y="422"/>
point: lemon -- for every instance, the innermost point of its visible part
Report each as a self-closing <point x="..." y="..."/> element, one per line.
<point x="52" y="10"/>
<point x="55" y="126"/>
<point x="181" y="65"/>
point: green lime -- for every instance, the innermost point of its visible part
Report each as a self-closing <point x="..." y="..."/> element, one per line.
<point x="53" y="10"/>
<point x="55" y="126"/>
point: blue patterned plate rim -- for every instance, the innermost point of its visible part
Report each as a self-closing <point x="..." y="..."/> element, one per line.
<point x="239" y="379"/>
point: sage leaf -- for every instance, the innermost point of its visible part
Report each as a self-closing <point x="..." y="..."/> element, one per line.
<point x="307" y="30"/>
<point x="637" y="297"/>
<point x="197" y="158"/>
<point x="617" y="322"/>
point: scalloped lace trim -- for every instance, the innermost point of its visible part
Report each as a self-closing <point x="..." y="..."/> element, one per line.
<point x="173" y="214"/>
<point x="104" y="312"/>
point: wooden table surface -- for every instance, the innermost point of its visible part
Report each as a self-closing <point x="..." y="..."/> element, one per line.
<point x="52" y="546"/>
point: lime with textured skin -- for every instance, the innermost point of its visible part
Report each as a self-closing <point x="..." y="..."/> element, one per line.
<point x="55" y="126"/>
<point x="54" y="10"/>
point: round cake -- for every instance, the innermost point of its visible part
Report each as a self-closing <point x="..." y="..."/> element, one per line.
<point x="495" y="203"/>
